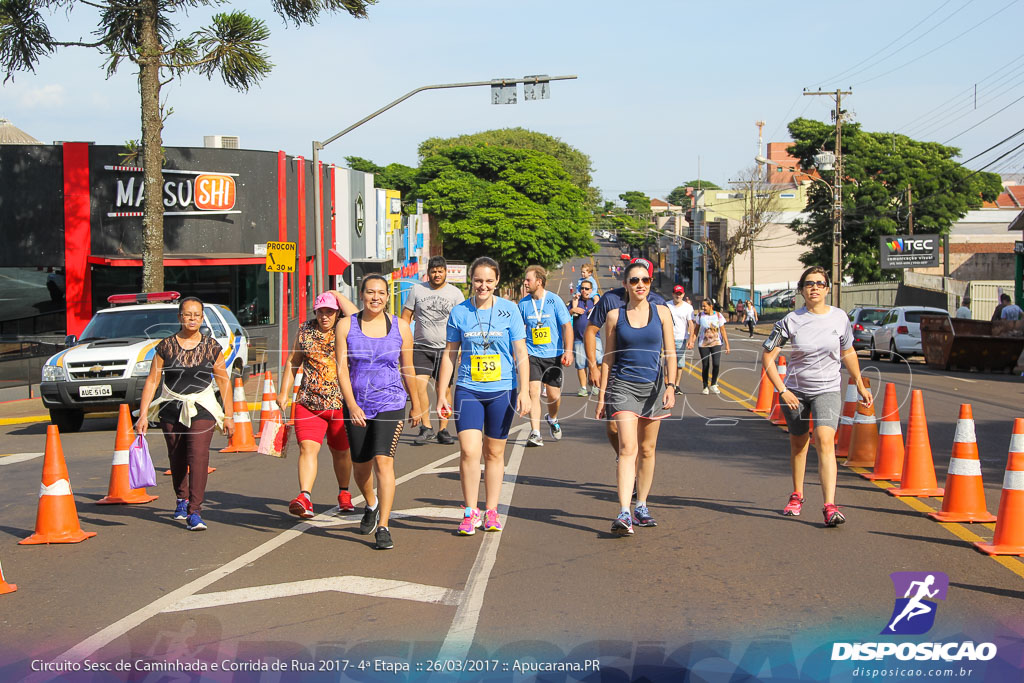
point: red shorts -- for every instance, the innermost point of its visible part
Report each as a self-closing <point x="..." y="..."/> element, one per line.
<point x="312" y="425"/>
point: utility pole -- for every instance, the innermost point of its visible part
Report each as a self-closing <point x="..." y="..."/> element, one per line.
<point x="910" y="215"/>
<point x="837" y="197"/>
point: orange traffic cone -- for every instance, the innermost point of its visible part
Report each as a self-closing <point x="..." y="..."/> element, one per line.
<point x="4" y="586"/>
<point x="242" y="441"/>
<point x="964" y="500"/>
<point x="775" y="416"/>
<point x="268" y="410"/>
<point x="1009" y="535"/>
<point x="864" y="440"/>
<point x="57" y="516"/>
<point x="119" y="490"/>
<point x="889" y="456"/>
<point x="764" y="396"/>
<point x="845" y="430"/>
<point x="295" y="397"/>
<point x="918" y="467"/>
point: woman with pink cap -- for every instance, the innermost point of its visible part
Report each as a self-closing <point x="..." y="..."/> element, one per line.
<point x="318" y="408"/>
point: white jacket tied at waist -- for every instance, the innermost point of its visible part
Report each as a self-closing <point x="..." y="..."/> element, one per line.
<point x="205" y="398"/>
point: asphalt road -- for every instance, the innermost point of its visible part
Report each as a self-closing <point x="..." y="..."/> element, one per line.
<point x="724" y="586"/>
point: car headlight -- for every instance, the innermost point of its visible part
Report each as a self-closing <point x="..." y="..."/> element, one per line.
<point x="142" y="368"/>
<point x="54" y="373"/>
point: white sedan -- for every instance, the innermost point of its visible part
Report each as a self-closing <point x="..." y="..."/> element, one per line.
<point x="899" y="333"/>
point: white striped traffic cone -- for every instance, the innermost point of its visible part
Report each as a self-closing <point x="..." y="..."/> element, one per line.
<point x="1009" y="534"/>
<point x="964" y="499"/>
<point x="268" y="409"/>
<point x="242" y="441"/>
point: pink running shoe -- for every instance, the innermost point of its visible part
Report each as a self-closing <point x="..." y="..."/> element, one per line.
<point x="470" y="522"/>
<point x="491" y="521"/>
<point x="833" y="517"/>
<point x="796" y="502"/>
<point x="345" y="502"/>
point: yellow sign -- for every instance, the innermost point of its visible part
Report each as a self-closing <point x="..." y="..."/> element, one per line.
<point x="281" y="257"/>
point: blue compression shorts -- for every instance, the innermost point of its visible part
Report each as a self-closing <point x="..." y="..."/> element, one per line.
<point x="488" y="411"/>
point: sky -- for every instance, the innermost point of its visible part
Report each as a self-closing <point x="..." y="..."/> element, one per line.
<point x="667" y="91"/>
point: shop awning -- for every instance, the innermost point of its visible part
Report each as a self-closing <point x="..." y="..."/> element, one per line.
<point x="336" y="263"/>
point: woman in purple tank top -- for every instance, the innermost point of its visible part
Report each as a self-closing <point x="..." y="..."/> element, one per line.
<point x="375" y="371"/>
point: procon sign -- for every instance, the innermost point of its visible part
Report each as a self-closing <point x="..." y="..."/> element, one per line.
<point x="914" y="251"/>
<point x="185" y="193"/>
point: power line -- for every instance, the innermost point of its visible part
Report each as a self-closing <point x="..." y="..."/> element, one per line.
<point x="940" y="46"/>
<point x="897" y="39"/>
<point x="1004" y="140"/>
<point x="984" y="119"/>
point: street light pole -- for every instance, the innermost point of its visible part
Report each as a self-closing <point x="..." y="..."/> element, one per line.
<point x="317" y="146"/>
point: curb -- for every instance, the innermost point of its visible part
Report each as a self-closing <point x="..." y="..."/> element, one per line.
<point x="30" y="419"/>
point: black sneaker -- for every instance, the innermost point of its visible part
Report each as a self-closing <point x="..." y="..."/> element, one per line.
<point x="369" y="521"/>
<point x="445" y="438"/>
<point x="383" y="539"/>
<point x="425" y="436"/>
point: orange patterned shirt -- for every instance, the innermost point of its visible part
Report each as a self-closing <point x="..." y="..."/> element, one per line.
<point x="320" y="389"/>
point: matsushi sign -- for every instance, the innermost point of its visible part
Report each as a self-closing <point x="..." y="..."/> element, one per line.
<point x="184" y="193"/>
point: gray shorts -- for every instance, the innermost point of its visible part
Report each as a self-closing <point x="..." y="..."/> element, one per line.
<point x="826" y="409"/>
<point x="643" y="399"/>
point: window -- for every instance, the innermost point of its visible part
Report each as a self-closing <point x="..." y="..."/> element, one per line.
<point x="214" y="323"/>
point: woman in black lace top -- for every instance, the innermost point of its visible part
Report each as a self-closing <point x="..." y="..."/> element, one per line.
<point x="188" y="362"/>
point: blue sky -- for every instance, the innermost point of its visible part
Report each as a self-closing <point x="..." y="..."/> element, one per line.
<point x="661" y="83"/>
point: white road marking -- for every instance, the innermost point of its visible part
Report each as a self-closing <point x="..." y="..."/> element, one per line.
<point x="356" y="585"/>
<point x="463" y="629"/>
<point x="122" y="626"/>
<point x="18" y="457"/>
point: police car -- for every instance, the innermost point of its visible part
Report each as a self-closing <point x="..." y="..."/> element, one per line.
<point x="108" y="366"/>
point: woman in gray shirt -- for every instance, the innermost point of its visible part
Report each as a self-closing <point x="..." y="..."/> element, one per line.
<point x="821" y="340"/>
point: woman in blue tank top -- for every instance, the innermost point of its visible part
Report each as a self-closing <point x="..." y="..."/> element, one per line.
<point x="375" y="371"/>
<point x="639" y="350"/>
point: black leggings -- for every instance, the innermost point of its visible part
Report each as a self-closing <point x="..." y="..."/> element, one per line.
<point x="710" y="356"/>
<point x="378" y="437"/>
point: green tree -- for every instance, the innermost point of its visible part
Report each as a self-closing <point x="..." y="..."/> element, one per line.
<point x="576" y="163"/>
<point x="636" y="202"/>
<point x="399" y="177"/>
<point x="518" y="206"/>
<point x="145" y="33"/>
<point x="877" y="169"/>
<point x="679" y="197"/>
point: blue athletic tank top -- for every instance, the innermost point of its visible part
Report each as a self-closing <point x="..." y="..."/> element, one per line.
<point x="638" y="349"/>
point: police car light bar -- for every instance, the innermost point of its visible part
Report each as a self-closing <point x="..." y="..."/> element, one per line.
<point x="142" y="298"/>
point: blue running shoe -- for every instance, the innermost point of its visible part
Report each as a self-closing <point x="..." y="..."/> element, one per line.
<point x="195" y="523"/>
<point x="181" y="511"/>
<point x="641" y="516"/>
<point x="554" y="427"/>
<point x="623" y="524"/>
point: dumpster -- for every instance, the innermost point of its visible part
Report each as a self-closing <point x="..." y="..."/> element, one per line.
<point x="960" y="343"/>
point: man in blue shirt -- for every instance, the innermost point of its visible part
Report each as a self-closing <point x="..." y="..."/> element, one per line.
<point x="582" y="304"/>
<point x="548" y="342"/>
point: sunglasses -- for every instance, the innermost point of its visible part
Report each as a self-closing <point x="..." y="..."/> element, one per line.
<point x="637" y="280"/>
<point x="811" y="284"/>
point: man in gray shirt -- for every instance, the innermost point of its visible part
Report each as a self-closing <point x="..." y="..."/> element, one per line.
<point x="430" y="304"/>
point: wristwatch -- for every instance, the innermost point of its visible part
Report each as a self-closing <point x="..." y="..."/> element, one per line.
<point x="669" y="384"/>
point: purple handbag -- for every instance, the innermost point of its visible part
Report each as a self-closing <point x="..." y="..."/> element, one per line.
<point x="140" y="466"/>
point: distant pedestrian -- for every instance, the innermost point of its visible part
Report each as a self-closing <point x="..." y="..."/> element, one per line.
<point x="750" y="316"/>
<point x="639" y="353"/>
<point x="580" y="307"/>
<point x="317" y="411"/>
<point x="682" y="327"/>
<point x="821" y="339"/>
<point x="711" y="338"/>
<point x="549" y="337"/>
<point x="965" y="308"/>
<point x="1011" y="311"/>
<point x="429" y="304"/>
<point x="587" y="275"/>
<point x="376" y="374"/>
<point x="186" y="365"/>
<point x="489" y="336"/>
<point x="1004" y="301"/>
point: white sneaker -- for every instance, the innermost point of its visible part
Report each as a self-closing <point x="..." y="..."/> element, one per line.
<point x="534" y="439"/>
<point x="715" y="389"/>
<point x="705" y="391"/>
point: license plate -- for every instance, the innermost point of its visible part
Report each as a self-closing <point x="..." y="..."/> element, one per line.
<point x="96" y="390"/>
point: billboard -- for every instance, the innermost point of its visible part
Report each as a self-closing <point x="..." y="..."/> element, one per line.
<point x="911" y="251"/>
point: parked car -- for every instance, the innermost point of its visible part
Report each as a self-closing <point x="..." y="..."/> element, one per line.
<point x="898" y="334"/>
<point x="783" y="297"/>
<point x="864" y="320"/>
<point x="109" y="364"/>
